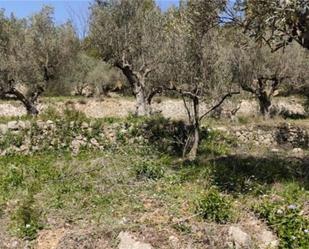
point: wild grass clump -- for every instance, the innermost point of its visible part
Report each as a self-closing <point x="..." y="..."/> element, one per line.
<point x="68" y="115"/>
<point x="11" y="139"/>
<point x="50" y="113"/>
<point x="74" y="115"/>
<point x="26" y="219"/>
<point x="6" y="119"/>
<point x="213" y="206"/>
<point x="151" y="169"/>
<point x="243" y="120"/>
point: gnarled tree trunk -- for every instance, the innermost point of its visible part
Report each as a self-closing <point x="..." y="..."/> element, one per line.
<point x="191" y="147"/>
<point x="143" y="107"/>
<point x="192" y="144"/>
<point x="137" y="82"/>
<point x="264" y="88"/>
<point x="195" y="141"/>
<point x="265" y="104"/>
<point x="29" y="105"/>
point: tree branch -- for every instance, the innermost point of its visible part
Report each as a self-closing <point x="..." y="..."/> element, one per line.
<point x="187" y="109"/>
<point x="154" y="92"/>
<point x="218" y="104"/>
<point x="248" y="88"/>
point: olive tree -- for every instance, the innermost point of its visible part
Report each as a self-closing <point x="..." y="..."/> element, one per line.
<point x="79" y="71"/>
<point x="89" y="73"/>
<point x="196" y="68"/>
<point x="260" y="72"/>
<point x="129" y="36"/>
<point x="276" y="22"/>
<point x="32" y="53"/>
<point x="263" y="72"/>
<point x="106" y="79"/>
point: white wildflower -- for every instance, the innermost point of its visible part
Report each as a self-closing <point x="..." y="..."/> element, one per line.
<point x="292" y="207"/>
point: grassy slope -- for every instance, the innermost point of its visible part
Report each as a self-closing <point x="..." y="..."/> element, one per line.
<point x="138" y="188"/>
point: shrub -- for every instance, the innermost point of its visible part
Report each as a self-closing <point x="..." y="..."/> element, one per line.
<point x="284" y="211"/>
<point x="168" y="136"/>
<point x="243" y="120"/>
<point x="213" y="206"/>
<point x="11" y="178"/>
<point x="291" y="227"/>
<point x="149" y="170"/>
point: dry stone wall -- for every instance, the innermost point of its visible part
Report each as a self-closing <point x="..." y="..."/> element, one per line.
<point x="32" y="136"/>
<point x="281" y="135"/>
<point x="29" y="137"/>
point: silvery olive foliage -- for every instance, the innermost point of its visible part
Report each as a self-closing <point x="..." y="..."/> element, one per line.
<point x="276" y="22"/>
<point x="91" y="76"/>
<point x="198" y="66"/>
<point x="33" y="52"/>
<point x="129" y="35"/>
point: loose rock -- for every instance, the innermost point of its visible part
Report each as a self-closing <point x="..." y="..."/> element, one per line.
<point x="127" y="241"/>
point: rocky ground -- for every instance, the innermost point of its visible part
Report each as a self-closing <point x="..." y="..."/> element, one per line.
<point x="170" y="108"/>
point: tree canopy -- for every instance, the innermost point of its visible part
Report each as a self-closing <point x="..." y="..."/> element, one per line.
<point x="33" y="51"/>
<point x="129" y="35"/>
<point x="276" y="22"/>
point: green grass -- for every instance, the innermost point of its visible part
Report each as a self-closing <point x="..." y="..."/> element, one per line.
<point x="149" y="186"/>
<point x="119" y="183"/>
<point x="6" y="119"/>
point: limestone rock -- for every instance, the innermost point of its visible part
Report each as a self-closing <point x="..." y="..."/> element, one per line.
<point x="275" y="150"/>
<point x="76" y="144"/>
<point x="3" y="128"/>
<point x="289" y="109"/>
<point x="84" y="125"/>
<point x="127" y="241"/>
<point x="238" y="238"/>
<point x="298" y="152"/>
<point x="267" y="240"/>
<point x="174" y="242"/>
<point x="248" y="109"/>
<point x="94" y="142"/>
<point x="27" y="124"/>
<point x="260" y="233"/>
<point x="41" y="124"/>
<point x="12" y="125"/>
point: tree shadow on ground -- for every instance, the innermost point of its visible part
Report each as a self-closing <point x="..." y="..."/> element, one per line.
<point x="241" y="173"/>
